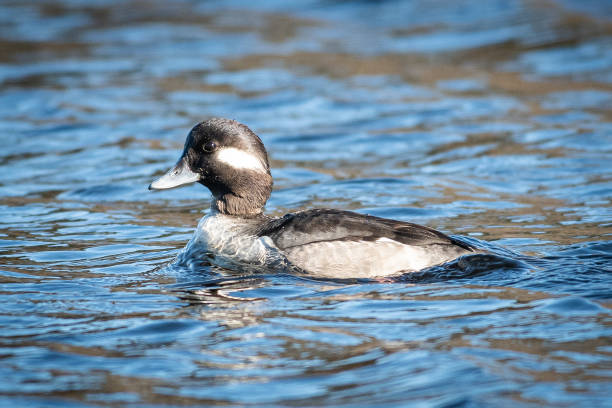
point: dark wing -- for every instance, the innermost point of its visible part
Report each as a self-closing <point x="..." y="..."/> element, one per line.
<point x="322" y="225"/>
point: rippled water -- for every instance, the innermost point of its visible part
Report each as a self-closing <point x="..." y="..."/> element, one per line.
<point x="489" y="120"/>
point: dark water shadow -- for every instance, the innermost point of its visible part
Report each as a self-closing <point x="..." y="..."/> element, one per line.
<point x="475" y="268"/>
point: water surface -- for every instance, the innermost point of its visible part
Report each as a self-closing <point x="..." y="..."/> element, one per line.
<point x="487" y="120"/>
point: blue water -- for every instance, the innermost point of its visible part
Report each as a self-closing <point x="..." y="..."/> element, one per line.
<point x="491" y="121"/>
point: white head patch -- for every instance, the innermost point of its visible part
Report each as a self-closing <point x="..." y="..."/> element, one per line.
<point x="239" y="159"/>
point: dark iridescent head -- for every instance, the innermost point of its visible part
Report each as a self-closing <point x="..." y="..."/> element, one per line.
<point x="228" y="158"/>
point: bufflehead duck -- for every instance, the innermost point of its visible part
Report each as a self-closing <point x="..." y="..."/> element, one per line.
<point x="230" y="159"/>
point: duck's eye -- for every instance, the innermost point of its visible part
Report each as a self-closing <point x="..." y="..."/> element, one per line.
<point x="209" y="147"/>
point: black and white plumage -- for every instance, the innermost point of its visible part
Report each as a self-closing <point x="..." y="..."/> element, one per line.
<point x="229" y="159"/>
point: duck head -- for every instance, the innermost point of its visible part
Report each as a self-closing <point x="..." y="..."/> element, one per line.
<point x="230" y="160"/>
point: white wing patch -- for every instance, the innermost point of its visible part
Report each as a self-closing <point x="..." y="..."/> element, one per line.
<point x="239" y="159"/>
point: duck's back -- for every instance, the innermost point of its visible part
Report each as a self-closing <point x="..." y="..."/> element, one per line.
<point x="339" y="244"/>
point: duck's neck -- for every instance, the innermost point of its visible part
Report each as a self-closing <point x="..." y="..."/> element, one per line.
<point x="230" y="204"/>
<point x="242" y="194"/>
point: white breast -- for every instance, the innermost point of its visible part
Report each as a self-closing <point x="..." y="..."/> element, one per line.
<point x="228" y="237"/>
